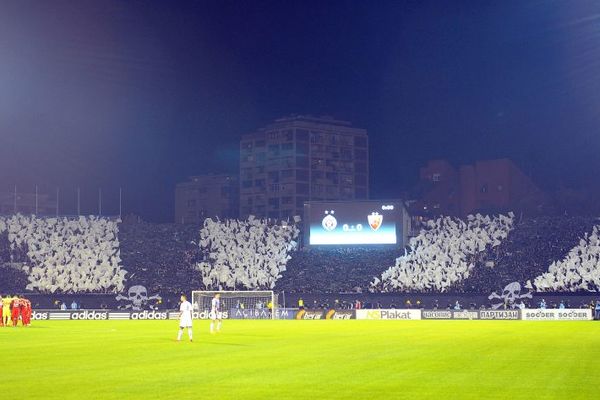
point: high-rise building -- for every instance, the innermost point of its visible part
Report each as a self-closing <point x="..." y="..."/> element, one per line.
<point x="206" y="196"/>
<point x="300" y="158"/>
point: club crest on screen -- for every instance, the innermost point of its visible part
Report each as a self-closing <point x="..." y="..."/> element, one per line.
<point x="375" y="220"/>
<point x="329" y="222"/>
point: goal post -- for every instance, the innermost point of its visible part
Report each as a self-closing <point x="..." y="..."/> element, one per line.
<point x="248" y="304"/>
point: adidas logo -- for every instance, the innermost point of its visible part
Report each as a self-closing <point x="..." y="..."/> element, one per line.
<point x="89" y="315"/>
<point x="149" y="315"/>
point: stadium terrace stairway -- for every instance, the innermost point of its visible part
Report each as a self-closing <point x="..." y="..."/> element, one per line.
<point x="526" y="253"/>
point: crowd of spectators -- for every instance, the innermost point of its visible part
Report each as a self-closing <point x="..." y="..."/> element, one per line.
<point x="245" y="254"/>
<point x="531" y="247"/>
<point x="337" y="270"/>
<point x="165" y="258"/>
<point x="161" y="257"/>
<point x="578" y="271"/>
<point x="12" y="278"/>
<point x="63" y="254"/>
<point x="442" y="254"/>
<point x="525" y="249"/>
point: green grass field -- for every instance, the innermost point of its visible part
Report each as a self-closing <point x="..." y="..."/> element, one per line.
<point x="302" y="360"/>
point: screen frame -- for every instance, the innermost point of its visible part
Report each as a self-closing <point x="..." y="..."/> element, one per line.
<point x="399" y="224"/>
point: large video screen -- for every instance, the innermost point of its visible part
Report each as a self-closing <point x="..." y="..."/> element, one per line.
<point x="353" y="223"/>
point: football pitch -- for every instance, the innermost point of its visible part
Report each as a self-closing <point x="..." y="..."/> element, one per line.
<point x="302" y="360"/>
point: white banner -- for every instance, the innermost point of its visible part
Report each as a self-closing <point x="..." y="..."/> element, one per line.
<point x="567" y="314"/>
<point x="388" y="314"/>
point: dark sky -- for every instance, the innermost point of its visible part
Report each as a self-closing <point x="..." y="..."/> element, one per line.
<point x="141" y="94"/>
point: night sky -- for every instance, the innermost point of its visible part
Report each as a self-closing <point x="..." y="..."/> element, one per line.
<point x="142" y="94"/>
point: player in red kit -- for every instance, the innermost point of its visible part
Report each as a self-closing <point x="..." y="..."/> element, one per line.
<point x="26" y="311"/>
<point x="16" y="310"/>
<point x="29" y="312"/>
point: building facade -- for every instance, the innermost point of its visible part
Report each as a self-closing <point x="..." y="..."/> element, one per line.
<point x="300" y="158"/>
<point x="206" y="196"/>
<point x="487" y="186"/>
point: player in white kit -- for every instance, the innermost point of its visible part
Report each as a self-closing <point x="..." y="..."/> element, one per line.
<point x="185" y="318"/>
<point x="215" y="313"/>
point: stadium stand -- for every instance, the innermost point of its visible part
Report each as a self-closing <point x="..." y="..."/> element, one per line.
<point x="444" y="253"/>
<point x="527" y="252"/>
<point x="12" y="278"/>
<point x="248" y="254"/>
<point x="66" y="254"/>
<point x="578" y="271"/>
<point x="338" y="270"/>
<point x="161" y="257"/>
<point x="472" y="257"/>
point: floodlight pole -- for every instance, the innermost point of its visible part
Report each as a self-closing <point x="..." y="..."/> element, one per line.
<point x="57" y="199"/>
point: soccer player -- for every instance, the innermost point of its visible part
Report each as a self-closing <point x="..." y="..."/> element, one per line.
<point x="6" y="310"/>
<point x="15" y="310"/>
<point x="215" y="313"/>
<point x="26" y="311"/>
<point x="185" y="318"/>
